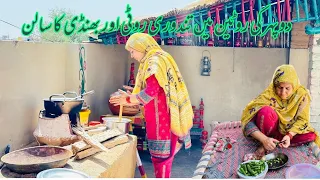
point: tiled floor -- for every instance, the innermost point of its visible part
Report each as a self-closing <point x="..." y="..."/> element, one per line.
<point x="184" y="164"/>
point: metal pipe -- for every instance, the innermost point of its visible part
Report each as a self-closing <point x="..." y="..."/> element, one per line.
<point x="262" y="6"/>
<point x="297" y="10"/>
<point x="264" y="25"/>
<point x="235" y="8"/>
<point x="237" y="3"/>
<point x="288" y="39"/>
<point x="288" y="10"/>
<point x="259" y="5"/>
<point x="218" y="15"/>
<point x="274" y="14"/>
<point x="225" y="13"/>
<point x="251" y="10"/>
<point x="282" y="40"/>
<point x="278" y="11"/>
<point x="281" y="34"/>
<point x="312" y="30"/>
<point x="315" y="9"/>
<point x="243" y="13"/>
<point x="303" y="19"/>
<point x="263" y="3"/>
<point x="236" y="20"/>
<point x="202" y="41"/>
<point x="284" y="9"/>
<point x="269" y="13"/>
<point x="305" y="8"/>
<point x="211" y="27"/>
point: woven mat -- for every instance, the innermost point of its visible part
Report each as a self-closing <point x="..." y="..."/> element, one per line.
<point x="224" y="164"/>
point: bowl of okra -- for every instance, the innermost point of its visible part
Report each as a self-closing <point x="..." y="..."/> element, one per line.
<point x="252" y="169"/>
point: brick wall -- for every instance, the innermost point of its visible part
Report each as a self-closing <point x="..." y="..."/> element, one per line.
<point x="314" y="81"/>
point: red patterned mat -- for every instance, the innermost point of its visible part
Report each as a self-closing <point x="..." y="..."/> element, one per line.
<point x="224" y="164"/>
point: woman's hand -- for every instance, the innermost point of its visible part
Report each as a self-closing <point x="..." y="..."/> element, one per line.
<point x="269" y="143"/>
<point x="128" y="88"/>
<point x="285" y="142"/>
<point x="120" y="99"/>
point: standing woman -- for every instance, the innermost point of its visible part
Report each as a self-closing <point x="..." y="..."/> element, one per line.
<point x="167" y="108"/>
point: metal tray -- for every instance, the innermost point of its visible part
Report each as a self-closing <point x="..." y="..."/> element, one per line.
<point x="272" y="164"/>
<point x="61" y="173"/>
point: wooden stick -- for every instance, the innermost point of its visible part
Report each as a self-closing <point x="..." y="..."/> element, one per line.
<point x="120" y="113"/>
<point x="94" y="127"/>
<point x="88" y="139"/>
<point x="104" y="136"/>
<point x="140" y="166"/>
<point x="108" y="144"/>
<point x="121" y="107"/>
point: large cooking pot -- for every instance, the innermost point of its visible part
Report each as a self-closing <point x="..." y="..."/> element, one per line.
<point x="58" y="104"/>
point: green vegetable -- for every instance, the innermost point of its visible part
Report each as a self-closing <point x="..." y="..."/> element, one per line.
<point x="252" y="168"/>
<point x="275" y="162"/>
<point x="245" y="168"/>
<point x="242" y="171"/>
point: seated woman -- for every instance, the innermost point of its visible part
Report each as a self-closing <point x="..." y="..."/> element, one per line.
<point x="281" y="114"/>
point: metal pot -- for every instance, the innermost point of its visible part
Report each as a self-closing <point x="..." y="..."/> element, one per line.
<point x="58" y="104"/>
<point x="113" y="122"/>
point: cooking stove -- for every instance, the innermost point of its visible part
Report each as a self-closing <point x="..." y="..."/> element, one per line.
<point x="73" y="117"/>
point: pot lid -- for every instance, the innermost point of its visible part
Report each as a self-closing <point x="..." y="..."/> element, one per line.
<point x="60" y="99"/>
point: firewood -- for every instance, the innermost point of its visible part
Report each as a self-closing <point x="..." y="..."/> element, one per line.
<point x="88" y="139"/>
<point x="94" y="127"/>
<point x="96" y="131"/>
<point x="108" y="144"/>
<point x="101" y="137"/>
<point x="79" y="146"/>
<point x="69" y="147"/>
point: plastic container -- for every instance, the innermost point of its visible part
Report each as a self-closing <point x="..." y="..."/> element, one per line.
<point x="303" y="171"/>
<point x="84" y="117"/>
<point x="259" y="176"/>
<point x="113" y="122"/>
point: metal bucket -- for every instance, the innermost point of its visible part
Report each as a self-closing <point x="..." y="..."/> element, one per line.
<point x="113" y="122"/>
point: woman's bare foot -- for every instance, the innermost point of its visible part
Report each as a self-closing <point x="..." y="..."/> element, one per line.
<point x="260" y="151"/>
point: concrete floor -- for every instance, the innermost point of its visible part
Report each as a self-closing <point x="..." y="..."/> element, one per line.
<point x="184" y="163"/>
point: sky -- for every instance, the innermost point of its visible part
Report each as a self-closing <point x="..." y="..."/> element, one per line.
<point x="18" y="12"/>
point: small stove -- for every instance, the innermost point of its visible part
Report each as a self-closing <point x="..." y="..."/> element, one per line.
<point x="56" y="120"/>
